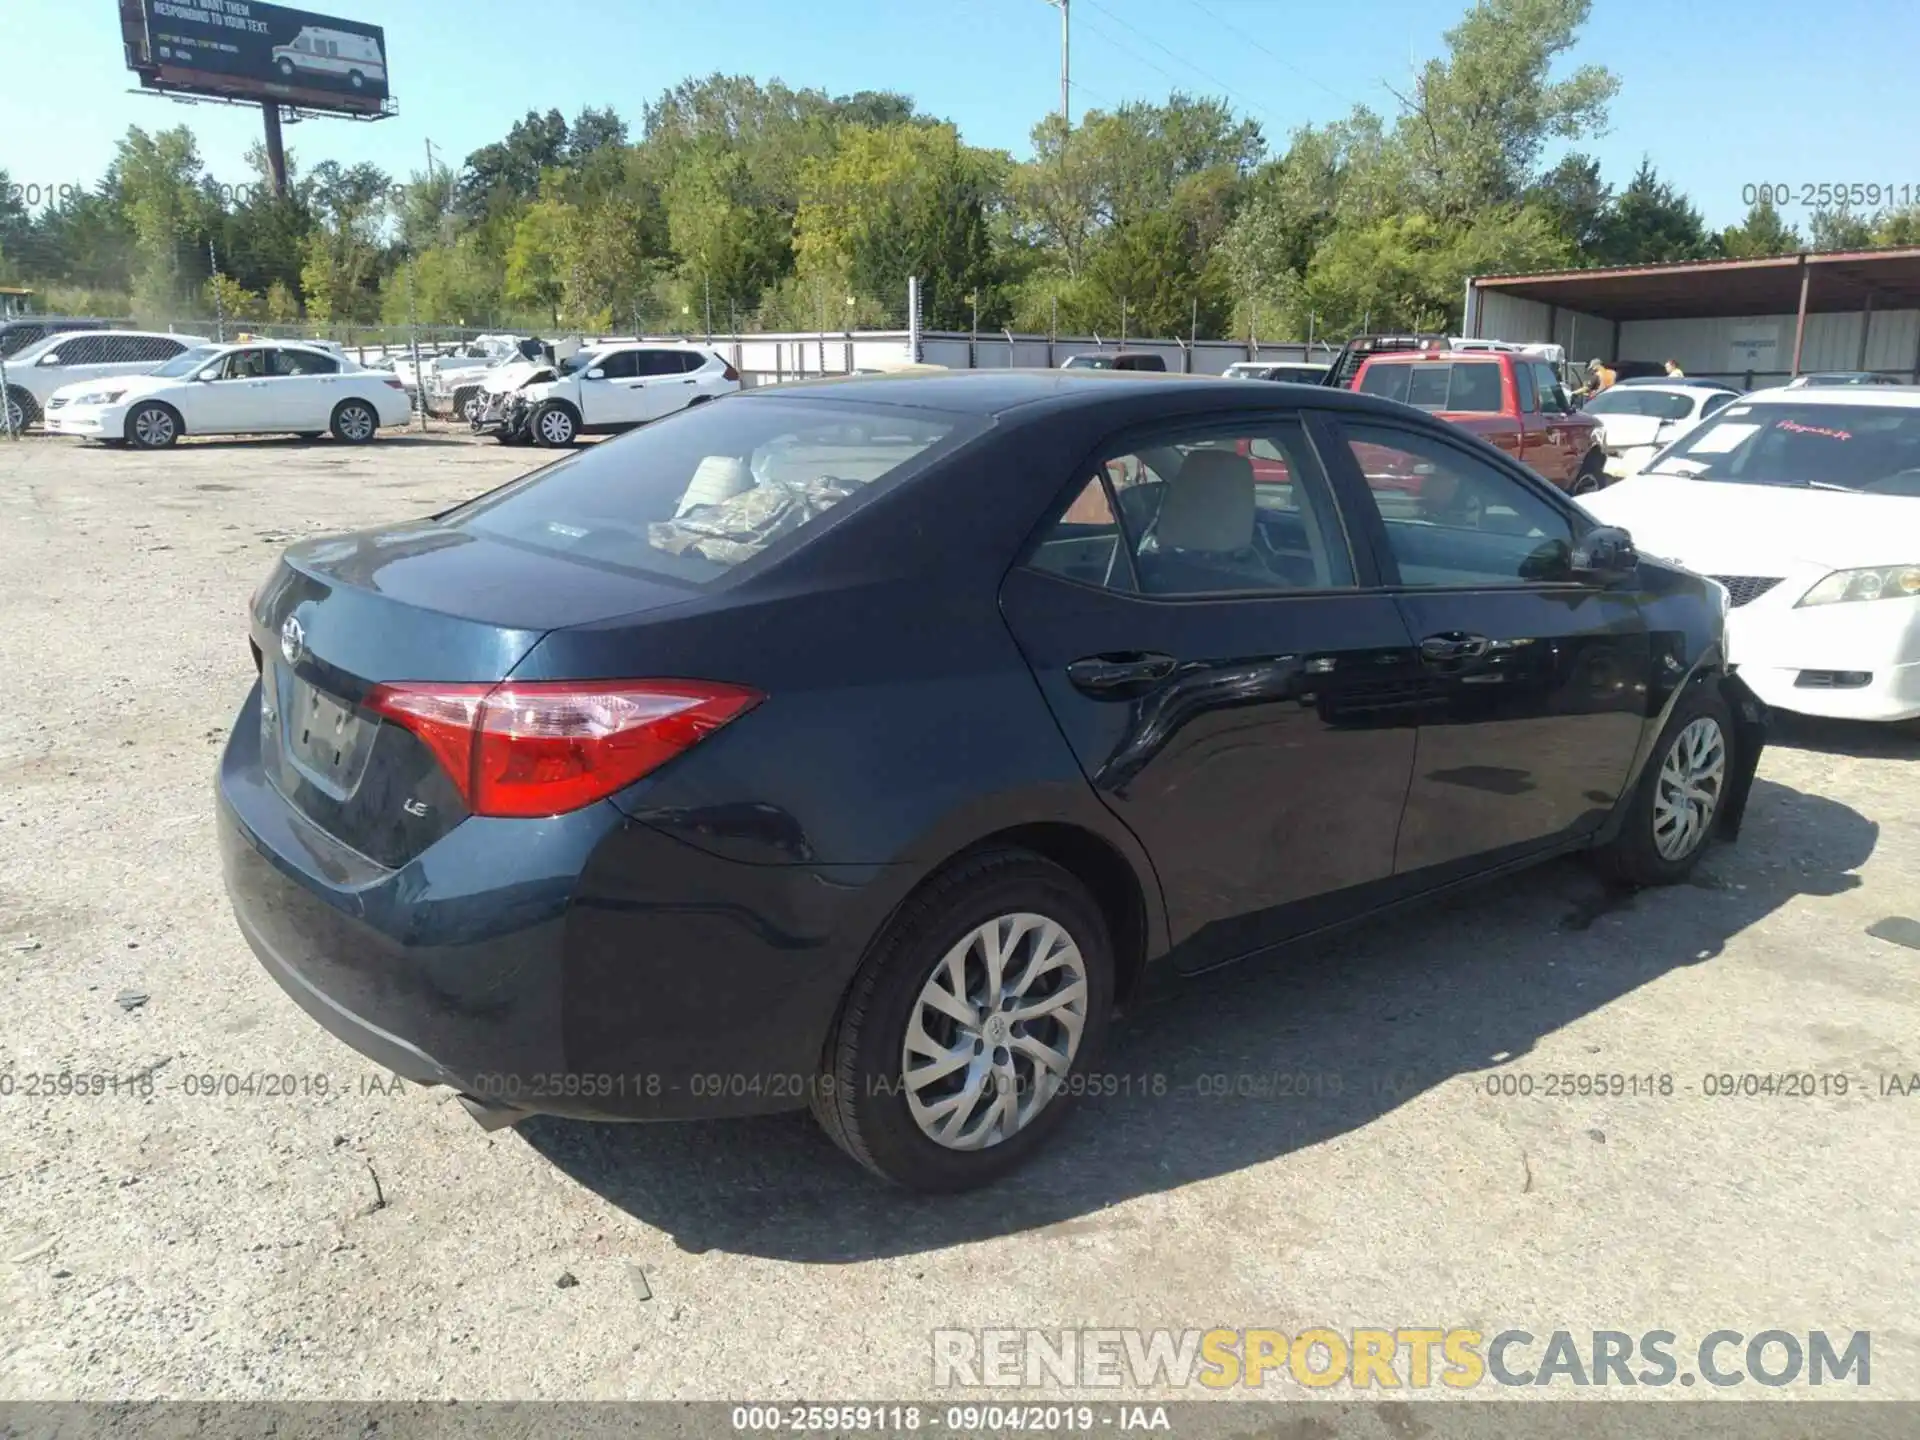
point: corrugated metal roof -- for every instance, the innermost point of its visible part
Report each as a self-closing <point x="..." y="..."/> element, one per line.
<point x="1836" y="281"/>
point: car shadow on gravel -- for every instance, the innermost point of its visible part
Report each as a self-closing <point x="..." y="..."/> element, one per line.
<point x="1856" y="739"/>
<point x="1249" y="1064"/>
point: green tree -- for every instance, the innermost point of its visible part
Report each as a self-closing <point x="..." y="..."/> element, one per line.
<point x="1476" y="120"/>
<point x="1840" y="229"/>
<point x="1650" y="222"/>
<point x="537" y="260"/>
<point x="900" y="201"/>
<point x="1579" y="201"/>
<point x="154" y="180"/>
<point x="1763" y="232"/>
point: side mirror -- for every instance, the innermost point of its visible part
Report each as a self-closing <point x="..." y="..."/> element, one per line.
<point x="52" y="357"/>
<point x="1605" y="555"/>
<point x="596" y="374"/>
<point x="212" y="372"/>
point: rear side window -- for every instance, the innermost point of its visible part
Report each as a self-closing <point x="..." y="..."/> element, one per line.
<point x="1204" y="511"/>
<point x="1475" y="388"/>
<point x="304" y="362"/>
<point x="692" y="496"/>
<point x="1389" y="382"/>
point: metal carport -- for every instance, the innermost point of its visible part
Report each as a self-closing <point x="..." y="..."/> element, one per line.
<point x="1751" y="322"/>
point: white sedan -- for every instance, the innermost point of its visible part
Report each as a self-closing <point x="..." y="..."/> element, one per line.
<point x="251" y="389"/>
<point x="1805" y="506"/>
<point x="1637" y="419"/>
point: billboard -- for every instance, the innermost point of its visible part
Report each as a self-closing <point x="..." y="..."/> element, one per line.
<point x="245" y="50"/>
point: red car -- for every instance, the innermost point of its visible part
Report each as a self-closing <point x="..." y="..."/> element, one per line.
<point x="1511" y="400"/>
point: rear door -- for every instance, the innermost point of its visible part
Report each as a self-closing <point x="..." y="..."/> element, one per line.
<point x="1533" y="685"/>
<point x="304" y="387"/>
<point x="1234" y="689"/>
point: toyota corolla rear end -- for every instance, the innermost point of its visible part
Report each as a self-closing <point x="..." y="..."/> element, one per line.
<point x="421" y="802"/>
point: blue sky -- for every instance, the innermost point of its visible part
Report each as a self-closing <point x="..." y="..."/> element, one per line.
<point x="1769" y="90"/>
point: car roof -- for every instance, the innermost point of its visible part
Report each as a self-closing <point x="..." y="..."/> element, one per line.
<point x="1421" y="357"/>
<point x="996" y="392"/>
<point x="1895" y="395"/>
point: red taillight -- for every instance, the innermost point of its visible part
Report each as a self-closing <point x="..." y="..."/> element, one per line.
<point x="520" y="748"/>
<point x="728" y="372"/>
<point x="396" y="382"/>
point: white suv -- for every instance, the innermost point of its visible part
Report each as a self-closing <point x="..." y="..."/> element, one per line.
<point x="46" y="365"/>
<point x="613" y="387"/>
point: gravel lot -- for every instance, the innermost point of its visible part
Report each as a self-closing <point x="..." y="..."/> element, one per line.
<point x="376" y="1244"/>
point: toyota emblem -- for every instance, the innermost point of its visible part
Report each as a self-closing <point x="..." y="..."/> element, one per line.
<point x="293" y="641"/>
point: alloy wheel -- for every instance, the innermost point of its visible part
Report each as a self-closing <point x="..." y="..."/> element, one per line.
<point x="153" y="426"/>
<point x="1687" y="791"/>
<point x="16" y="415"/>
<point x="356" y="423"/>
<point x="994" y="1031"/>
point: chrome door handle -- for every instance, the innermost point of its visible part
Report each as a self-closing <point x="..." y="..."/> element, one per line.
<point x="1454" y="645"/>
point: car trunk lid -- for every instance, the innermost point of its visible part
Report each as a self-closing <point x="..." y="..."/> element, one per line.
<point x="422" y="602"/>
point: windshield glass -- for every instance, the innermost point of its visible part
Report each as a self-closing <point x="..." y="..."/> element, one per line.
<point x="1858" y="447"/>
<point x="187" y="362"/>
<point x="694" y="495"/>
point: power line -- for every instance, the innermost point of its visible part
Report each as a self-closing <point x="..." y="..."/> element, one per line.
<point x="1179" y="60"/>
<point x="1279" y="59"/>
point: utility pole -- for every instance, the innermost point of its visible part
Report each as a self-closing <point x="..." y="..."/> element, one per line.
<point x="707" y="281"/>
<point x="1066" y="84"/>
<point x="276" y="148"/>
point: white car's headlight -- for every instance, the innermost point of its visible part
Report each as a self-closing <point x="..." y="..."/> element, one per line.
<point x="98" y="397"/>
<point x="1890" y="582"/>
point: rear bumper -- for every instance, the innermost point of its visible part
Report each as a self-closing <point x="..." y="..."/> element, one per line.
<point x="586" y="965"/>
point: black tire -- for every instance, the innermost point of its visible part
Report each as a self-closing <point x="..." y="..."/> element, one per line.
<point x="1633" y="857"/>
<point x="1592" y="475"/>
<point x="861" y="1102"/>
<point x="356" y="79"/>
<point x="153" y="426"/>
<point x="554" y="425"/>
<point x="25" y="409"/>
<point x="466" y="403"/>
<point x="285" y="67"/>
<point x="355" y="422"/>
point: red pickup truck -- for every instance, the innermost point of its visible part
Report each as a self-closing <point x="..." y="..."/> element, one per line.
<point x="1509" y="399"/>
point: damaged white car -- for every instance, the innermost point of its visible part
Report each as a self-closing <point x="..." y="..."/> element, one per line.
<point x="599" y="390"/>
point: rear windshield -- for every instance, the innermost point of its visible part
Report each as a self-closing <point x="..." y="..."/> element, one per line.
<point x="712" y="487"/>
<point x="1464" y="387"/>
<point x="1853" y="447"/>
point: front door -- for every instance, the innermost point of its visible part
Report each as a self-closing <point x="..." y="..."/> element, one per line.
<point x="613" y="392"/>
<point x="1534" y="684"/>
<point x="235" y="398"/>
<point x="1196" y="623"/>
